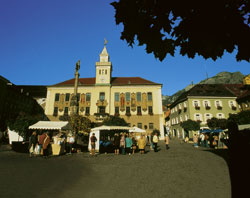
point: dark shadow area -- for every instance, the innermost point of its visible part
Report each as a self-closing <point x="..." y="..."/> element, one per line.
<point x="37" y="177"/>
<point x="238" y="161"/>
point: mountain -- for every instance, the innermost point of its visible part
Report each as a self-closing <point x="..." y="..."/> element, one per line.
<point x="220" y="78"/>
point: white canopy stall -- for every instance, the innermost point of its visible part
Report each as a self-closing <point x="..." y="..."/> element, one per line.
<point x="51" y="125"/>
<point x="137" y="131"/>
<point x="57" y="147"/>
<point x="101" y="129"/>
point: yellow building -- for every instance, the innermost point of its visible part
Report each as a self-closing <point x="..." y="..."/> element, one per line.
<point x="137" y="100"/>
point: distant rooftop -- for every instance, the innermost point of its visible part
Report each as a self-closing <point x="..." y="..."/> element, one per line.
<point x="115" y="81"/>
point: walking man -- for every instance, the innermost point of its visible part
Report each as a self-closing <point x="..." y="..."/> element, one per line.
<point x="93" y="141"/>
<point x="167" y="141"/>
<point x="155" y="141"/>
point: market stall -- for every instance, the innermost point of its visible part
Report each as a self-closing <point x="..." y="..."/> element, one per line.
<point x="56" y="128"/>
<point x="106" y="130"/>
<point x="137" y="131"/>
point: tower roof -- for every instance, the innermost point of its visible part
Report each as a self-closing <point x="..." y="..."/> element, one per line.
<point x="104" y="56"/>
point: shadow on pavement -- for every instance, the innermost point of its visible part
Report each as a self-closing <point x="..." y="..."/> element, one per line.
<point x="37" y="177"/>
<point x="238" y="165"/>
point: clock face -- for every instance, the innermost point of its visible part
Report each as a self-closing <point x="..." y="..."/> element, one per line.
<point x="103" y="78"/>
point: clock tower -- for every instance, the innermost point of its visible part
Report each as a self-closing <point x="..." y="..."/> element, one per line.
<point x="103" y="67"/>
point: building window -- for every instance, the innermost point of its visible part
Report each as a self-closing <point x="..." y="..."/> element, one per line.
<point x="197" y="117"/>
<point x="177" y="121"/>
<point x="208" y="116"/>
<point x="181" y="119"/>
<point x="55" y="113"/>
<point x="87" y="110"/>
<point x="105" y="71"/>
<point x="67" y="97"/>
<point x="138" y="96"/>
<point x="139" y="125"/>
<point x="196" y="105"/>
<point x="149" y="96"/>
<point x="207" y="105"/>
<point x="66" y="110"/>
<point x="218" y="105"/>
<point x="116" y="110"/>
<point x="57" y="96"/>
<point x="186" y="117"/>
<point x="220" y="115"/>
<point x="128" y="111"/>
<point x="151" y="126"/>
<point x="138" y="110"/>
<point x="127" y="95"/>
<point x="101" y="109"/>
<point x="102" y="96"/>
<point x="100" y="72"/>
<point x="150" y="110"/>
<point x="88" y="97"/>
<point x="117" y="97"/>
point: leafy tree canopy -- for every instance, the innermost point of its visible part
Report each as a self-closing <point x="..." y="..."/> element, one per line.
<point x="207" y="28"/>
<point x="22" y="122"/>
<point x="242" y="117"/>
<point x="190" y="125"/>
<point x="80" y="124"/>
<point x="115" y="121"/>
<point x="215" y="123"/>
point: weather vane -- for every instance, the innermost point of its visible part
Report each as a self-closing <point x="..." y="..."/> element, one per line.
<point x="105" y="42"/>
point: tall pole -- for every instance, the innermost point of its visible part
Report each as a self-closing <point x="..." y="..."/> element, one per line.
<point x="73" y="102"/>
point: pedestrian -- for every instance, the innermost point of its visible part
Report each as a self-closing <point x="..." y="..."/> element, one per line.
<point x="151" y="142"/>
<point x="167" y="141"/>
<point x="46" y="143"/>
<point x="206" y="140"/>
<point x="116" y="143"/>
<point x="70" y="142"/>
<point x="155" y="141"/>
<point x="40" y="142"/>
<point x="128" y="143"/>
<point x="195" y="140"/>
<point x="142" y="144"/>
<point x="202" y="138"/>
<point x="93" y="141"/>
<point x="32" y="143"/>
<point x="122" y="144"/>
<point x="133" y="144"/>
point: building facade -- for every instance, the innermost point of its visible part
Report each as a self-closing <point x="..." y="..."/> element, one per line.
<point x="201" y="103"/>
<point x="137" y="100"/>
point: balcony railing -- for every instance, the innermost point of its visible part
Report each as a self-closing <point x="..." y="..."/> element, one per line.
<point x="208" y="107"/>
<point x="197" y="107"/>
<point x="219" y="107"/>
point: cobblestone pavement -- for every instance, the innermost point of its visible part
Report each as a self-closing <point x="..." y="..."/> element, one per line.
<point x="181" y="171"/>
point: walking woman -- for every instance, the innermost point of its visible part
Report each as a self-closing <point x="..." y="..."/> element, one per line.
<point x="122" y="144"/>
<point x="142" y="144"/>
<point x="46" y="145"/>
<point x="116" y="143"/>
<point x="32" y="143"/>
<point x="129" y="144"/>
<point x="167" y="141"/>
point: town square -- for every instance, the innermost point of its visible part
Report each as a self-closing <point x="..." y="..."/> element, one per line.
<point x="124" y="98"/>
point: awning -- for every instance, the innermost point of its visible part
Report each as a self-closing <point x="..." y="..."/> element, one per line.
<point x="244" y="126"/>
<point x="137" y="130"/>
<point x="51" y="125"/>
<point x="108" y="128"/>
<point x="211" y="131"/>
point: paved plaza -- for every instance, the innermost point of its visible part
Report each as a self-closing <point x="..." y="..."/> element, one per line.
<point x="181" y="171"/>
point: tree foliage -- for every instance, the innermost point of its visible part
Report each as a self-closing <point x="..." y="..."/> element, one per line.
<point x="115" y="121"/>
<point x="207" y="28"/>
<point x="215" y="123"/>
<point x="190" y="125"/>
<point x="242" y="117"/>
<point x="80" y="124"/>
<point x="22" y="122"/>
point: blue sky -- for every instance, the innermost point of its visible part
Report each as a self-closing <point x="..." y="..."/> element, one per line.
<point x="41" y="40"/>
